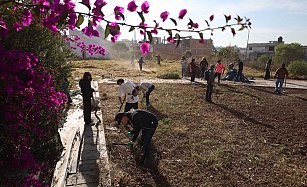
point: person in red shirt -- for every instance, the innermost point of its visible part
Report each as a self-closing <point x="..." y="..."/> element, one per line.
<point x="219" y="71"/>
<point x="280" y="76"/>
<point x="193" y="68"/>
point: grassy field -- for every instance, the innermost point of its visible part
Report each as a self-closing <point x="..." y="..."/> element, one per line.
<point x="247" y="137"/>
<point x="120" y="68"/>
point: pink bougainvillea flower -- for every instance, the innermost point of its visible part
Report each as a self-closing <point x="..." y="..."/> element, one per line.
<point x="145" y="7"/>
<point x="90" y="31"/>
<point x="72" y="20"/>
<point x="195" y="25"/>
<point x="114" y="28"/>
<point x="86" y="2"/>
<point x="132" y="6"/>
<point x="26" y="18"/>
<point x="154" y="31"/>
<point x="115" y="38"/>
<point x="50" y="25"/>
<point x="100" y="3"/>
<point x="17" y="26"/>
<point x="118" y="9"/>
<point x="182" y="13"/>
<point x="164" y="15"/>
<point x="171" y="40"/>
<point x="144" y="47"/>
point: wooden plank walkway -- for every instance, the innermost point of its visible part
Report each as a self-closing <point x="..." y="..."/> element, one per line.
<point x="85" y="157"/>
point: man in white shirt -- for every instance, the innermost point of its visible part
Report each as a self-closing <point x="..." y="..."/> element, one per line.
<point x="125" y="91"/>
<point x="146" y="88"/>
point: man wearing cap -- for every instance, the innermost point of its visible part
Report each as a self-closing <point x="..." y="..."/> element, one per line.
<point x="125" y="90"/>
<point x="140" y="120"/>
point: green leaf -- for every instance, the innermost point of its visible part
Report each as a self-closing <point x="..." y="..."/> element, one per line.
<point x="242" y="28"/>
<point x="178" y="40"/>
<point x="36" y="11"/>
<point x="80" y="20"/>
<point x="239" y="19"/>
<point x="88" y="6"/>
<point x="227" y="18"/>
<point x="107" y="31"/>
<point x="170" y="33"/>
<point x="211" y="17"/>
<point x="141" y="16"/>
<point x="131" y="29"/>
<point x="174" y="21"/>
<point x="207" y="23"/>
<point x="233" y="31"/>
<point x="120" y="14"/>
<point x="62" y="18"/>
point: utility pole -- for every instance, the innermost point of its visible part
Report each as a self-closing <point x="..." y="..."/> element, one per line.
<point x="247" y="45"/>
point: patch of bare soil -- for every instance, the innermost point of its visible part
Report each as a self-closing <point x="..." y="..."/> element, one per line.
<point x="248" y="137"/>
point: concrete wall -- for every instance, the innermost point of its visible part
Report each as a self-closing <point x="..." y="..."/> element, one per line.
<point x="198" y="50"/>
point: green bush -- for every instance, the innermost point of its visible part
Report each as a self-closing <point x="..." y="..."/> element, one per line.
<point x="169" y="75"/>
<point x="50" y="49"/>
<point x="298" y="68"/>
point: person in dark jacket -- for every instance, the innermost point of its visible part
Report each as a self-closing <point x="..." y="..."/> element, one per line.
<point x="140" y="120"/>
<point x="87" y="94"/>
<point x="240" y="71"/>
<point x="203" y="66"/>
<point x="268" y="70"/>
<point x="141" y="62"/>
<point x="280" y="76"/>
<point x="193" y="69"/>
<point x="210" y="76"/>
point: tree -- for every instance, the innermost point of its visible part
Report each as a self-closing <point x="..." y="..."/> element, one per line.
<point x="286" y="53"/>
<point x="120" y="47"/>
<point x="298" y="68"/>
<point x="263" y="59"/>
<point x="228" y="54"/>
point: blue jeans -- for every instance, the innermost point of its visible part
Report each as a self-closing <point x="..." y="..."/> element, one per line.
<point x="209" y="91"/>
<point x="279" y="83"/>
<point x="147" y="135"/>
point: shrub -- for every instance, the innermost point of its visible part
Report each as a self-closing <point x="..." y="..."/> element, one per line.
<point x="298" y="68"/>
<point x="258" y="65"/>
<point x="31" y="112"/>
<point x="169" y="75"/>
<point x="48" y="47"/>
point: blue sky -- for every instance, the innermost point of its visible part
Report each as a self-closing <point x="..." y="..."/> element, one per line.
<point x="270" y="18"/>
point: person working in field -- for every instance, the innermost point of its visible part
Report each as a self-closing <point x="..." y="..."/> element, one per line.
<point x="219" y="71"/>
<point x="280" y="76"/>
<point x="193" y="69"/>
<point x="125" y="92"/>
<point x="87" y="94"/>
<point x="209" y="77"/>
<point x="141" y="62"/>
<point x="184" y="66"/>
<point x="146" y="88"/>
<point x="203" y="67"/>
<point x="140" y="120"/>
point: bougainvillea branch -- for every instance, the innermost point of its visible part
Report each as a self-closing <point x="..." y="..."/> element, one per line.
<point x="57" y="16"/>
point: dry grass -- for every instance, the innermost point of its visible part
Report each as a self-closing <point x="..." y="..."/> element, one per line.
<point x="238" y="141"/>
<point x="249" y="137"/>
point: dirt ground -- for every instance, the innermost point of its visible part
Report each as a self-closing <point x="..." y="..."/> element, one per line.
<point x="248" y="137"/>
